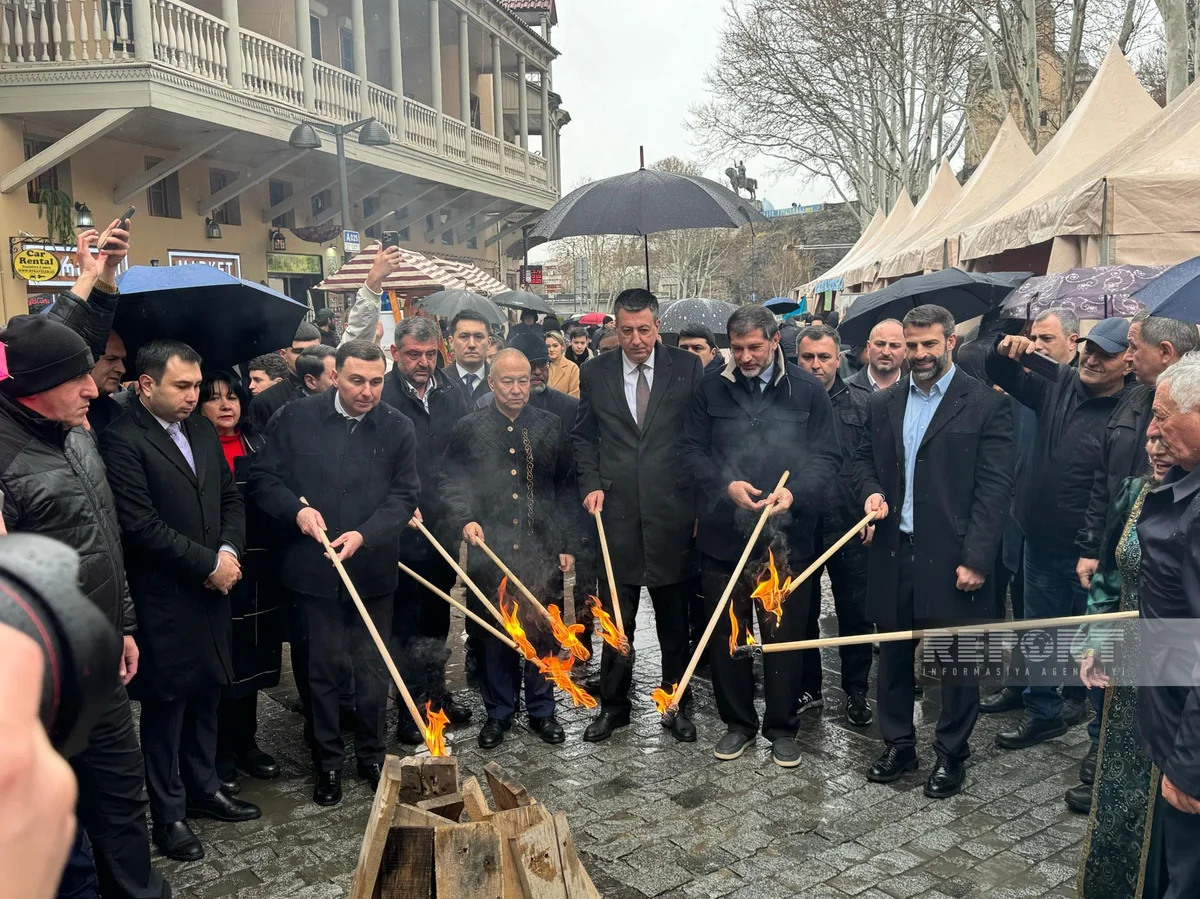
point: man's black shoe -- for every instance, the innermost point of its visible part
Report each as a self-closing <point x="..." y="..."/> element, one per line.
<point x="548" y="729"/>
<point x="946" y="779"/>
<point x="1079" y="799"/>
<point x="1076" y="712"/>
<point x="328" y="789"/>
<point x="492" y="733"/>
<point x="1007" y="699"/>
<point x="893" y="765"/>
<point x="258" y="764"/>
<point x="1030" y="732"/>
<point x="222" y="807"/>
<point x="1087" y="768"/>
<point x="592" y="684"/>
<point x="682" y="729"/>
<point x="371" y="774"/>
<point x="603" y="725"/>
<point x="229" y="787"/>
<point x="177" y="841"/>
<point x="858" y="712"/>
<point x="406" y="730"/>
<point x="454" y="710"/>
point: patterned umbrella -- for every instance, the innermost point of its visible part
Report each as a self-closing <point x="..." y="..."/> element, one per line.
<point x="713" y="314"/>
<point x="1100" y="292"/>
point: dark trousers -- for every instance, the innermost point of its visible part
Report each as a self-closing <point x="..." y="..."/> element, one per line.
<point x="894" y="685"/>
<point x="848" y="576"/>
<point x="237" y="725"/>
<point x="179" y="738"/>
<point x="335" y="634"/>
<point x="500" y="682"/>
<point x="733" y="678"/>
<point x="589" y="578"/>
<point x="1052" y="589"/>
<point x="697" y="620"/>
<point x="114" y="852"/>
<point x="1181" y="834"/>
<point x="420" y="628"/>
<point x="670" y="621"/>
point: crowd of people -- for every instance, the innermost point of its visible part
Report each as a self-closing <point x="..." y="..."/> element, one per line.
<point x="199" y="501"/>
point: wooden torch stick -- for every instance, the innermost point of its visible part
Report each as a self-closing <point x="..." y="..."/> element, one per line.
<point x="824" y="557"/>
<point x="516" y="581"/>
<point x="673" y="708"/>
<point x="466" y="579"/>
<point x="503" y="638"/>
<point x="612" y="581"/>
<point x="374" y="632"/>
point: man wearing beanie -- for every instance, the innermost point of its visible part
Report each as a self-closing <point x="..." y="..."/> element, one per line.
<point x="54" y="484"/>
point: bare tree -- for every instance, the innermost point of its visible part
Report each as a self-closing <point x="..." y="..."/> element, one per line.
<point x="1176" y="28"/>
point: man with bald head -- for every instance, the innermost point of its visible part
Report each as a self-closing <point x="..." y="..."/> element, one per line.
<point x="885" y="355"/>
<point x="506" y="479"/>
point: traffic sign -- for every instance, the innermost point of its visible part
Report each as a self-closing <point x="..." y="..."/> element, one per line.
<point x="350" y="241"/>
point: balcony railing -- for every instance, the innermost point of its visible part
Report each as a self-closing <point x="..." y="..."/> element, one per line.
<point x="336" y="92"/>
<point x="272" y="70"/>
<point x="188" y="38"/>
<point x="385" y="106"/>
<point x="421" y="126"/>
<point x="64" y="31"/>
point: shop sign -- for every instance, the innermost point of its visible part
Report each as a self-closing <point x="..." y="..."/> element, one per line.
<point x="293" y="264"/>
<point x="51" y="265"/>
<point x="229" y="263"/>
<point x="36" y="265"/>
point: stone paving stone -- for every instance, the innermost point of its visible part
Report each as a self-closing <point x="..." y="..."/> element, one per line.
<point x="914" y="883"/>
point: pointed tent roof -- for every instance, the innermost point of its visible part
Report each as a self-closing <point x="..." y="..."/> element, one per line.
<point x="833" y="274"/>
<point x="1114" y="105"/>
<point x="862" y="268"/>
<point x="1006" y="158"/>
<point x="943" y="191"/>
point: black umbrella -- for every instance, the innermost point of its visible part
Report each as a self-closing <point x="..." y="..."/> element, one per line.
<point x="223" y="318"/>
<point x="713" y="314"/>
<point x="1175" y="293"/>
<point x="964" y="294"/>
<point x="646" y="202"/>
<point x="448" y="303"/>
<point x="523" y="299"/>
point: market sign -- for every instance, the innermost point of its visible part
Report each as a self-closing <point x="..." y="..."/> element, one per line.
<point x="293" y="264"/>
<point x="36" y="265"/>
<point x="51" y="265"/>
<point x="229" y="263"/>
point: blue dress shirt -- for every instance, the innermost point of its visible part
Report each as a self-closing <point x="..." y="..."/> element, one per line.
<point x="918" y="413"/>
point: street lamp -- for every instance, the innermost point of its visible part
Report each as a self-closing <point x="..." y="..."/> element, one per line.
<point x="305" y="137"/>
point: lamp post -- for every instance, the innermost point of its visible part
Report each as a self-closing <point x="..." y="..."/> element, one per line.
<point x="305" y="137"/>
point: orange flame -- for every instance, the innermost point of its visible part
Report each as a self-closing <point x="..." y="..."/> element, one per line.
<point x="508" y="611"/>
<point x="559" y="672"/>
<point x="608" y="630"/>
<point x="568" y="635"/>
<point x="734" y="627"/>
<point x="769" y="591"/>
<point x="662" y="699"/>
<point x="434" y="738"/>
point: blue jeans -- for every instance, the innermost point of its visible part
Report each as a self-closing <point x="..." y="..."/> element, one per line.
<point x="79" y="880"/>
<point x="1052" y="590"/>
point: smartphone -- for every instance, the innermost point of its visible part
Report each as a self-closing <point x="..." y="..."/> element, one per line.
<point x="124" y="225"/>
<point x="1041" y="365"/>
<point x="391" y="239"/>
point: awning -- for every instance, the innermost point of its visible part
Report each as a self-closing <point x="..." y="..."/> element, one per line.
<point x="416" y="275"/>
<point x="475" y="278"/>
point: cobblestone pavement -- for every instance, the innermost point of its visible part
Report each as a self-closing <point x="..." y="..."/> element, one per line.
<point x="653" y="817"/>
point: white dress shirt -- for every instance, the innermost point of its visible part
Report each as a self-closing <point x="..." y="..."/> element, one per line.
<point x="341" y="410"/>
<point x="631" y="380"/>
<point x="462" y="375"/>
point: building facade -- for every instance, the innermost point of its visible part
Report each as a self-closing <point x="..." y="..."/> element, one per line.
<point x="185" y="111"/>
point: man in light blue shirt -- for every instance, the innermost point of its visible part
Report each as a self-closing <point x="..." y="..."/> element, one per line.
<point x="923" y="402"/>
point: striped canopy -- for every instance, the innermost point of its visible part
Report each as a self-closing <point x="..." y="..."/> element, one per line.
<point x="475" y="278"/>
<point x="416" y="275"/>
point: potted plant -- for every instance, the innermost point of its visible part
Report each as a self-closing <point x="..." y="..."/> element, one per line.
<point x="60" y="225"/>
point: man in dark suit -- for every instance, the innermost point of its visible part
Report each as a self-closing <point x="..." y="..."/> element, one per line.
<point x="469" y="341"/>
<point x="183" y="526"/>
<point x="632" y="406"/>
<point x="353" y="459"/>
<point x="939" y="448"/>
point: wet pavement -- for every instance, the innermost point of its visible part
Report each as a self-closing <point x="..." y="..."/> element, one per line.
<point x="654" y="817"/>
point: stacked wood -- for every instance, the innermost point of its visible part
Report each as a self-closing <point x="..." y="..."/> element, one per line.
<point x="418" y="846"/>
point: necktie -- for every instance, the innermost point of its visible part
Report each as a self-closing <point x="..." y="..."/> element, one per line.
<point x="176" y="432"/>
<point x="351" y="424"/>
<point x="642" y="395"/>
<point x="470" y="381"/>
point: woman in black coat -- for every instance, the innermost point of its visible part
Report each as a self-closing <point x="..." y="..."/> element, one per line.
<point x="256" y="600"/>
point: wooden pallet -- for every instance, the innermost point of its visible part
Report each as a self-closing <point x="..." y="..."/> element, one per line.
<point x="417" y="846"/>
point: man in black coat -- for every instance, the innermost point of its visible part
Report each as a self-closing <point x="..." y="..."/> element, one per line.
<point x="746" y="425"/>
<point x="819" y="352"/>
<point x="939" y="452"/>
<point x="700" y="341"/>
<point x="183" y="525"/>
<point x="353" y="459"/>
<point x="421" y="620"/>
<point x="469" y="341"/>
<point x="267" y="403"/>
<point x="632" y="406"/>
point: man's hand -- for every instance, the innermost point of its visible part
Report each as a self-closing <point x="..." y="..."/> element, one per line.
<point x="473" y="533"/>
<point x="969" y="580"/>
<point x="386" y="262"/>
<point x="594" y="502"/>
<point x="416" y="516"/>
<point x="228" y="573"/>
<point x="347" y="545"/>
<point x="1092" y="673"/>
<point x="37" y="787"/>
<point x="87" y="264"/>
<point x="875" y="505"/>
<point x="1085" y="569"/>
<point x="780" y="501"/>
<point x="566" y="562"/>
<point x="742" y="493"/>
<point x="310" y="522"/>
<point x="129" y="660"/>
<point x="1178" y="798"/>
<point x="114" y="247"/>
<point x="1014" y="346"/>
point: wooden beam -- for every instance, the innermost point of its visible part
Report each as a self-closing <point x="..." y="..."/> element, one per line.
<point x="173" y="163"/>
<point x="378" y="217"/>
<point x="294" y="200"/>
<point x="63" y="148"/>
<point x="539" y="861"/>
<point x="414" y="217"/>
<point x="507" y="794"/>
<point x="510" y="228"/>
<point x="379" y="823"/>
<point x="335" y="208"/>
<point x="490" y="221"/>
<point x="407" y="871"/>
<point x="462" y="219"/>
<point x="251" y="179"/>
<point x="468" y="861"/>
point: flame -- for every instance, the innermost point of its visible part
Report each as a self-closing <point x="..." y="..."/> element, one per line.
<point x="559" y="672"/>
<point x="664" y="700"/>
<point x="508" y="611"/>
<point x="568" y="635"/>
<point x="433" y="733"/>
<point x="769" y="591"/>
<point x="734" y="627"/>
<point x="608" y="630"/>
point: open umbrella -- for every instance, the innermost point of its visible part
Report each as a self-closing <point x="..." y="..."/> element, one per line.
<point x="1175" y="293"/>
<point x="784" y="305"/>
<point x="965" y="294"/>
<point x="713" y="314"/>
<point x="225" y="319"/>
<point x="593" y="318"/>
<point x="1099" y="292"/>
<point x="646" y="202"/>
<point x="448" y="303"/>
<point x="523" y="299"/>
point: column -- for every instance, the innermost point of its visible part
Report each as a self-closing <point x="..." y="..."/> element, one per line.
<point x="304" y="45"/>
<point x="358" y="37"/>
<point x="143" y="37"/>
<point x="464" y="68"/>
<point x="546" y="129"/>
<point x="557" y="158"/>
<point x="546" y="29"/>
<point x="435" y="57"/>
<point x="233" y="42"/>
<point x="497" y="92"/>
<point x="397" y="58"/>
<point x="523" y="101"/>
